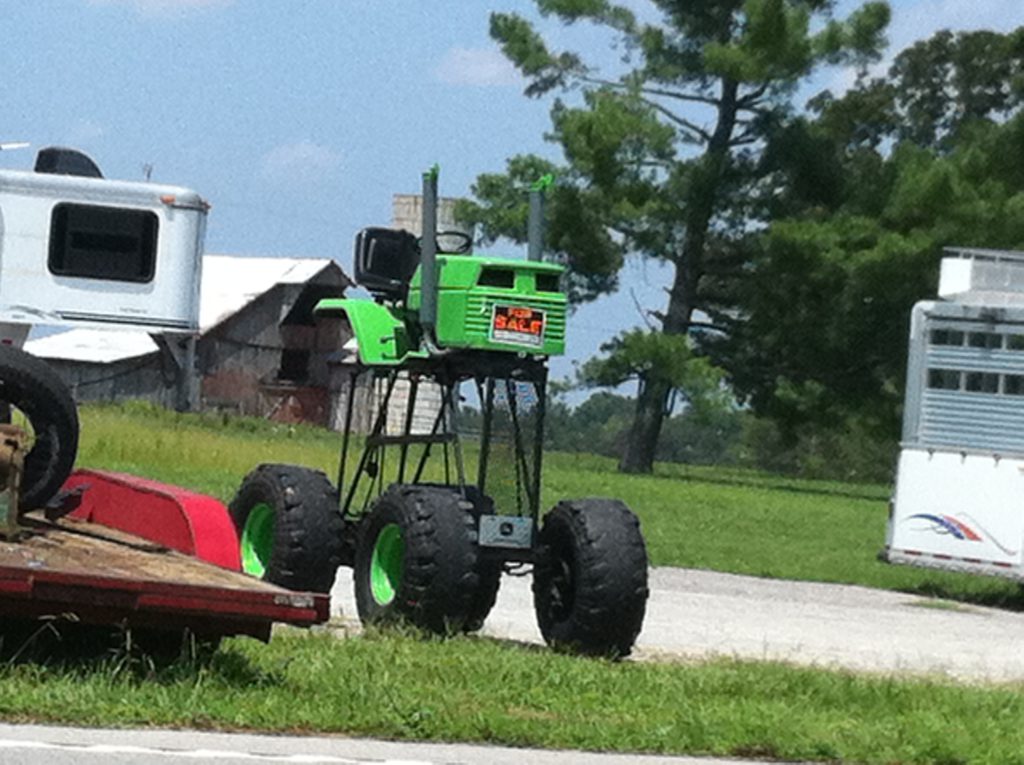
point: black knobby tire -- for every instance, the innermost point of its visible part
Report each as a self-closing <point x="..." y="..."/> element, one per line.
<point x="486" y="593"/>
<point x="443" y="584"/>
<point x="304" y="545"/>
<point x="590" y="579"/>
<point x="488" y="568"/>
<point x="30" y="385"/>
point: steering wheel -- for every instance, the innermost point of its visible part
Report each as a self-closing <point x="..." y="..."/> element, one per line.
<point x="464" y="242"/>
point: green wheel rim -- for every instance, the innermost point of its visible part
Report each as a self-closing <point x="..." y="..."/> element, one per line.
<point x="386" y="564"/>
<point x="258" y="540"/>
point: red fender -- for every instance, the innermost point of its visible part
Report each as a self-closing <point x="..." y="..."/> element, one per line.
<point x="182" y="520"/>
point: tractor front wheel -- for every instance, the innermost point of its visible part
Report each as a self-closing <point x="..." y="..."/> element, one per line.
<point x="289" y="527"/>
<point x="590" y="579"/>
<point x="417" y="562"/>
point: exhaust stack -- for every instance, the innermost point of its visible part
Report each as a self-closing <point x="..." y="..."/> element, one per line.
<point x="428" y="254"/>
<point x="535" y="224"/>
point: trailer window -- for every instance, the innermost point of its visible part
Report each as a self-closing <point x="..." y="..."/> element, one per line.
<point x="947" y="337"/>
<point x="981" y="382"/>
<point x="1013" y="385"/>
<point x="111" y="243"/>
<point x="985" y="340"/>
<point x="944" y="379"/>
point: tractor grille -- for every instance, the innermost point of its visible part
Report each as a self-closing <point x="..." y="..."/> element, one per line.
<point x="480" y="308"/>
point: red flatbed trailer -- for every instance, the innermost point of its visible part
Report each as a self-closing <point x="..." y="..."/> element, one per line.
<point x="143" y="554"/>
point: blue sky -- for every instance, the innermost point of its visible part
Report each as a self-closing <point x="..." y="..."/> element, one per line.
<point x="298" y="119"/>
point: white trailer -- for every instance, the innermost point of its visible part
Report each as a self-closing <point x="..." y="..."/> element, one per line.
<point x="77" y="249"/>
<point x="959" y="498"/>
<point x="80" y="250"/>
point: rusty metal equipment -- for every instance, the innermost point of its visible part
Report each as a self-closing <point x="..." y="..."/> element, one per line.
<point x="14" y="445"/>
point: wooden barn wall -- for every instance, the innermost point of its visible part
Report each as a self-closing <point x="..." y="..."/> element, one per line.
<point x="147" y="378"/>
<point x="236" y="355"/>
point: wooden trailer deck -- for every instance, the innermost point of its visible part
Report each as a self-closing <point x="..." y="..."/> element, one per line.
<point x="95" y="574"/>
<point x="92" y="572"/>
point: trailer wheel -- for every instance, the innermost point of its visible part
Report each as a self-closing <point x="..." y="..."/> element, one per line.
<point x="29" y="386"/>
<point x="590" y="580"/>
<point x="289" y="527"/>
<point x="417" y="562"/>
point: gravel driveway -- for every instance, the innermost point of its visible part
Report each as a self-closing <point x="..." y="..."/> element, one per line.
<point x="697" y="614"/>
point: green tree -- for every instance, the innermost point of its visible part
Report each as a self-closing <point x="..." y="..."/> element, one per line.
<point x="661" y="156"/>
<point x="865" y="196"/>
<point x="703" y="436"/>
<point x="954" y="79"/>
<point x="597" y="425"/>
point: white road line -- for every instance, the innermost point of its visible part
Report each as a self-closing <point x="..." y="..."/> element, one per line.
<point x="201" y="754"/>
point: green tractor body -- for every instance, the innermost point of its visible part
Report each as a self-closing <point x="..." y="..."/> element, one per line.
<point x="497" y="304"/>
<point x="483" y="304"/>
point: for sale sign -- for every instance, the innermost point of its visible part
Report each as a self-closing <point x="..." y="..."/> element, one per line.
<point x="517" y="325"/>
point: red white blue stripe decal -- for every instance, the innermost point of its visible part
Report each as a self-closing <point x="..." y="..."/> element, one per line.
<point x="968" y="530"/>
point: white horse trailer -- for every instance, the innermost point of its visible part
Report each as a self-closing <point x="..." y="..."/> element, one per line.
<point x="78" y="250"/>
<point x="959" y="499"/>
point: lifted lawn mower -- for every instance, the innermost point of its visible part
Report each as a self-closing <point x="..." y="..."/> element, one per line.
<point x="428" y="543"/>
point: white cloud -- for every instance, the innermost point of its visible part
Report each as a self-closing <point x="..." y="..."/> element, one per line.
<point x="164" y="8"/>
<point x="300" y="162"/>
<point x="475" y="66"/>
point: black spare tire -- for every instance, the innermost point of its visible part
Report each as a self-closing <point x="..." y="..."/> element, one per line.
<point x="30" y="386"/>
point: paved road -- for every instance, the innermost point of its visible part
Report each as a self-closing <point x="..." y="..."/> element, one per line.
<point x="46" y="745"/>
<point x="696" y="614"/>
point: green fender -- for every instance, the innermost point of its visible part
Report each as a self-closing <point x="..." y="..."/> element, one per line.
<point x="382" y="338"/>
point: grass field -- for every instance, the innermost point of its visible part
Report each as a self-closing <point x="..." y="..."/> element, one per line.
<point x="475" y="689"/>
<point x="720" y="519"/>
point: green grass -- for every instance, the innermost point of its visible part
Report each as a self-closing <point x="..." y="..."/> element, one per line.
<point x="473" y="689"/>
<point x="750" y="523"/>
<point x="482" y="690"/>
<point x="720" y="519"/>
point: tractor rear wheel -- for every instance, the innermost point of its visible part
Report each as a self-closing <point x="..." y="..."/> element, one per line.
<point x="590" y="579"/>
<point x="42" y="404"/>
<point x="417" y="562"/>
<point x="289" y="527"/>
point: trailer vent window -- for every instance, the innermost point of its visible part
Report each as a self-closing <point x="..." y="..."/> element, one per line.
<point x="112" y="243"/>
<point x="497" y="277"/>
<point x="981" y="382"/>
<point x="1013" y="385"/>
<point x="947" y="337"/>
<point x="985" y="340"/>
<point x="944" y="379"/>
